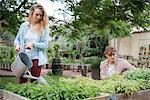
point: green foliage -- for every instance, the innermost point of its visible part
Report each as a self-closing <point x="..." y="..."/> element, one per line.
<point x="13" y="14"/>
<point x="93" y="15"/>
<point x="97" y="21"/>
<point x="7" y="36"/>
<point x="59" y="88"/>
<point x="119" y="28"/>
<point x="95" y="45"/>
<point x="137" y="74"/>
<point x="5" y="80"/>
<point x="70" y="60"/>
<point x="94" y="61"/>
<point x="56" y="50"/>
<point x="106" y="10"/>
<point x="77" y="88"/>
<point x="7" y="54"/>
<point x="49" y="53"/>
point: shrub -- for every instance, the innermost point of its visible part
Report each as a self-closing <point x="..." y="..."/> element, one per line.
<point x="94" y="61"/>
<point x="138" y="73"/>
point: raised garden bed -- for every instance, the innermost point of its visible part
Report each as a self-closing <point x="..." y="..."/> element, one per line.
<point x="139" y="95"/>
<point x="133" y="85"/>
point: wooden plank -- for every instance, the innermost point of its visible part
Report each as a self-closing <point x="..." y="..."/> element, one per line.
<point x="12" y="96"/>
<point x="103" y="96"/>
<point x="139" y="95"/>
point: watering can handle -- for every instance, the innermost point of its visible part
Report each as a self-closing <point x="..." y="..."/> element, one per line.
<point x="22" y="50"/>
<point x="29" y="76"/>
<point x="29" y="72"/>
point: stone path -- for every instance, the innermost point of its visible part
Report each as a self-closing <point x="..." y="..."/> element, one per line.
<point x="6" y="73"/>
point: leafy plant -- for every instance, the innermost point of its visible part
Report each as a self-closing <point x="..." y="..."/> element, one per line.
<point x="70" y="60"/>
<point x="12" y="10"/>
<point x="94" y="61"/>
<point x="137" y="74"/>
<point x="7" y="54"/>
<point x="77" y="88"/>
<point x="56" y="50"/>
<point x="5" y="80"/>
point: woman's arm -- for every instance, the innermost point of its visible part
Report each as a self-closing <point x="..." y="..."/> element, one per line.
<point x="17" y="39"/>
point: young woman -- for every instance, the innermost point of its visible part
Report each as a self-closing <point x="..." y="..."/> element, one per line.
<point x="32" y="39"/>
<point x="113" y="64"/>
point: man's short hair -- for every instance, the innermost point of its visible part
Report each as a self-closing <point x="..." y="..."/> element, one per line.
<point x="109" y="50"/>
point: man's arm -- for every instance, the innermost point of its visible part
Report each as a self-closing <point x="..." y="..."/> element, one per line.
<point x="127" y="65"/>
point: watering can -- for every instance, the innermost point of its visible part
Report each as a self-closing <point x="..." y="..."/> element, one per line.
<point x="21" y="65"/>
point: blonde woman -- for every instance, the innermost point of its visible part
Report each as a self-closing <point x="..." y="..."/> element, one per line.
<point x="32" y="39"/>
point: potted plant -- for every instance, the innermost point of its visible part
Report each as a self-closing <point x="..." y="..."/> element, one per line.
<point x="57" y="68"/>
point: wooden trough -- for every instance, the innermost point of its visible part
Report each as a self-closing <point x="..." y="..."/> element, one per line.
<point x="139" y="95"/>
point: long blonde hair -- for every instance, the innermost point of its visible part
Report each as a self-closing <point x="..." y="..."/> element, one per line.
<point x="44" y="21"/>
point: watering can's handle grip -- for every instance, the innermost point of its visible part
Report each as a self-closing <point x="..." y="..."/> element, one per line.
<point x="22" y="49"/>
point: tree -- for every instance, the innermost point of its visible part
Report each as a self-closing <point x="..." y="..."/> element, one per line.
<point x="12" y="15"/>
<point x="105" y="18"/>
<point x="117" y="20"/>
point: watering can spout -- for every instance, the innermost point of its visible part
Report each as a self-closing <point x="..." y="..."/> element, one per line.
<point x="42" y="80"/>
<point x="39" y="79"/>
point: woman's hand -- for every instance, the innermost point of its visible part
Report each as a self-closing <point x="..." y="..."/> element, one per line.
<point x="17" y="48"/>
<point x="29" y="46"/>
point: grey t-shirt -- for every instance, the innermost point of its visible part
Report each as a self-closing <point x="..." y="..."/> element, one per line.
<point x="31" y="37"/>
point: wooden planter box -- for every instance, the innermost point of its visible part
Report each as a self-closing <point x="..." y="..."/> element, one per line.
<point x="95" y="72"/>
<point x="139" y="95"/>
<point x="6" y="95"/>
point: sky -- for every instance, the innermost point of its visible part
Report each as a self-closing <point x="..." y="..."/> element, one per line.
<point x="52" y="9"/>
